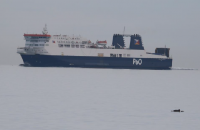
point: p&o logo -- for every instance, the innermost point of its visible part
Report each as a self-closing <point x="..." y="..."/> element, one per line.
<point x="137" y="62"/>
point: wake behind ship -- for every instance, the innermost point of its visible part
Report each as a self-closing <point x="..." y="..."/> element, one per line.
<point x="44" y="50"/>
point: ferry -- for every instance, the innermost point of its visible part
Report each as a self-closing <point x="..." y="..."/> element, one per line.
<point x="45" y="50"/>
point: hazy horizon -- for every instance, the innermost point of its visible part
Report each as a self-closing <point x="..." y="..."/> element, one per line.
<point x="159" y="22"/>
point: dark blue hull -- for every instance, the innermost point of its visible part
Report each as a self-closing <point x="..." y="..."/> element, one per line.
<point x="96" y="62"/>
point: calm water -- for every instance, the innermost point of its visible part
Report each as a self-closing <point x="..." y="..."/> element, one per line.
<point x="98" y="99"/>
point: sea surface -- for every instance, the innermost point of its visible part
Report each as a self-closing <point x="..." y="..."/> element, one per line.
<point x="34" y="98"/>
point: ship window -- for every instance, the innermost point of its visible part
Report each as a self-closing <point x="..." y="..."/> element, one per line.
<point x="73" y="46"/>
<point x="34" y="37"/>
<point x="36" y="44"/>
<point x="77" y="46"/>
<point x="41" y="44"/>
<point x="120" y="55"/>
<point x="112" y="55"/>
<point x="128" y="55"/>
<point x="34" y="40"/>
<point x="84" y="42"/>
<point x="60" y="45"/>
<point x="67" y="46"/>
<point x="82" y="46"/>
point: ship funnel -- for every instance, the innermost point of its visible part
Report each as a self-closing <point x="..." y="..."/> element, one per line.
<point x="136" y="42"/>
<point x="118" y="41"/>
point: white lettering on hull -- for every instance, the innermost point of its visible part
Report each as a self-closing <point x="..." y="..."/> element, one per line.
<point x="137" y="62"/>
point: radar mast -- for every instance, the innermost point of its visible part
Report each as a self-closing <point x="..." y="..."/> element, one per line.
<point x="45" y="30"/>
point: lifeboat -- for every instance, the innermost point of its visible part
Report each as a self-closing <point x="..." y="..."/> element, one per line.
<point x="101" y="42"/>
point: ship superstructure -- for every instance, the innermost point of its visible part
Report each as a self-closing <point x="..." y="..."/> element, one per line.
<point x="75" y="51"/>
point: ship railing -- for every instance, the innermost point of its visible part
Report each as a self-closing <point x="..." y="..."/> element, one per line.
<point x="21" y="48"/>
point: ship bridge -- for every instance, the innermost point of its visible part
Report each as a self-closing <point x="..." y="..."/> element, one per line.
<point x="44" y="37"/>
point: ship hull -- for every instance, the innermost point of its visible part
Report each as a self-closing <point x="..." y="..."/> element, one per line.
<point x="95" y="62"/>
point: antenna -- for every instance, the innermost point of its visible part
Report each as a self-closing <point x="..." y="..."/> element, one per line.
<point x="124" y="30"/>
<point x="45" y="29"/>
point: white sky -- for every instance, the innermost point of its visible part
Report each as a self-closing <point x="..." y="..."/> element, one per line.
<point x="174" y="23"/>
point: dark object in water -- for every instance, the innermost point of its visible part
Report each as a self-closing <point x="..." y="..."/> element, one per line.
<point x="178" y="110"/>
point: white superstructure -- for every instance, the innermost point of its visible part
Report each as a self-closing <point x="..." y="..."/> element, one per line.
<point x="65" y="45"/>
